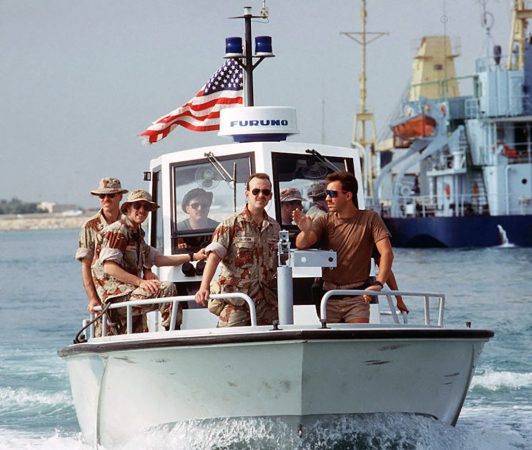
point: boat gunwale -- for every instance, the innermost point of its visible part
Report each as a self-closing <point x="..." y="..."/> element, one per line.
<point x="272" y="336"/>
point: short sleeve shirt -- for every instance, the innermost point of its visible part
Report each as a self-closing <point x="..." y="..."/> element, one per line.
<point x="353" y="241"/>
<point x="122" y="243"/>
<point x="249" y="256"/>
<point x="88" y="236"/>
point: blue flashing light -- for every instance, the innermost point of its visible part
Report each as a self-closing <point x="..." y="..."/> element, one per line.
<point x="233" y="47"/>
<point x="263" y="46"/>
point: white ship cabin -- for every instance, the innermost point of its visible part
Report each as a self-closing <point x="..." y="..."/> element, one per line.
<point x="260" y="145"/>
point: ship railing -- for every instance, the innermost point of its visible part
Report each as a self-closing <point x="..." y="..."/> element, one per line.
<point x="461" y="205"/>
<point x="426" y="296"/>
<point x="131" y="304"/>
<point x="441" y="205"/>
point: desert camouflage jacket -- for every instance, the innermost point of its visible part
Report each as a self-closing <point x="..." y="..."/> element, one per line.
<point x="122" y="243"/>
<point x="88" y="236"/>
<point x="249" y="257"/>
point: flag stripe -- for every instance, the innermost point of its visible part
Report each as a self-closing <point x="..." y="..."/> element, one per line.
<point x="223" y="90"/>
<point x="214" y="105"/>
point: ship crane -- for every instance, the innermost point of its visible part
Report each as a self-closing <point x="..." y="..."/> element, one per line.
<point x="520" y="16"/>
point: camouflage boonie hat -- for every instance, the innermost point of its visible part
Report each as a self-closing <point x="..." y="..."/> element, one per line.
<point x="138" y="195"/>
<point x="109" y="185"/>
<point x="317" y="190"/>
<point x="290" y="195"/>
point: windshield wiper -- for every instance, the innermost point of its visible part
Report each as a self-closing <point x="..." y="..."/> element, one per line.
<point x="322" y="159"/>
<point x="219" y="168"/>
<point x="226" y="176"/>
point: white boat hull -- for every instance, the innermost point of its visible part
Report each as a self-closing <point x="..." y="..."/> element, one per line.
<point x="123" y="387"/>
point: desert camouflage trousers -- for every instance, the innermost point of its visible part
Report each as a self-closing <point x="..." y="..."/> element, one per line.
<point x="117" y="318"/>
<point x="230" y="315"/>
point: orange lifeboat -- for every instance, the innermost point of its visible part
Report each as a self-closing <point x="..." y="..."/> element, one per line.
<point x="406" y="131"/>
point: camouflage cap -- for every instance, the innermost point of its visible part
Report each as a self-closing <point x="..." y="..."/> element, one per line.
<point x="109" y="185"/>
<point x="317" y="190"/>
<point x="138" y="195"/>
<point x="291" y="195"/>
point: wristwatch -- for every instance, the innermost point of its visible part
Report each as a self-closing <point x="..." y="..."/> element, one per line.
<point x="378" y="283"/>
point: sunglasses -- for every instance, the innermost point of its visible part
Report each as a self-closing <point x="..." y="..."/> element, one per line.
<point x="142" y="205"/>
<point x="265" y="192"/>
<point x="199" y="205"/>
<point x="334" y="194"/>
<point x="102" y="196"/>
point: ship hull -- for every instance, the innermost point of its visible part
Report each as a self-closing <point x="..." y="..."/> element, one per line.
<point x="456" y="232"/>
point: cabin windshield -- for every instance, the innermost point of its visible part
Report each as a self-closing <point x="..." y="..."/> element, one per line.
<point x="205" y="192"/>
<point x="302" y="177"/>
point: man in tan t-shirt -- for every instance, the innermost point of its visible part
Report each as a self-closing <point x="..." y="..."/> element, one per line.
<point x="351" y="233"/>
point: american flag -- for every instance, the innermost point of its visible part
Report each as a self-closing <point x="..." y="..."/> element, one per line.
<point x="202" y="113"/>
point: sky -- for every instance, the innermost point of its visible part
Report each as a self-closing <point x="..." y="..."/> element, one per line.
<point x="80" y="79"/>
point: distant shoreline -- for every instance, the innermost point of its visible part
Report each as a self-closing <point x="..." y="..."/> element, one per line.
<point x="58" y="221"/>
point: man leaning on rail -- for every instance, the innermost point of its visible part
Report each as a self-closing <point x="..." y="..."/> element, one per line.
<point x="351" y="233"/>
<point x="123" y="256"/>
<point x="246" y="246"/>
<point x="110" y="193"/>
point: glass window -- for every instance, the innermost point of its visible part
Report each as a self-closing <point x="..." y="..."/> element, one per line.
<point x="204" y="195"/>
<point x="300" y="183"/>
<point x="156" y="226"/>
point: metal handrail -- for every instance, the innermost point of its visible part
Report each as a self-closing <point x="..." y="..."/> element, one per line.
<point x="388" y="293"/>
<point x="129" y="305"/>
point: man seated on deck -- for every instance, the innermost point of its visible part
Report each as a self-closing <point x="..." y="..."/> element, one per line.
<point x="123" y="256"/>
<point x="351" y="233"/>
<point x="246" y="246"/>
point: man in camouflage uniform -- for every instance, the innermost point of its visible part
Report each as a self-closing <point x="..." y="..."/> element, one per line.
<point x="291" y="200"/>
<point x="123" y="256"/>
<point x="246" y="246"/>
<point x="110" y="193"/>
<point x="317" y="193"/>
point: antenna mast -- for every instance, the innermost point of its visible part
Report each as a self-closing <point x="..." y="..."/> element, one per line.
<point x="363" y="116"/>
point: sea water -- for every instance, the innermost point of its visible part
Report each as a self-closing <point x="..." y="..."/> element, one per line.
<point x="42" y="304"/>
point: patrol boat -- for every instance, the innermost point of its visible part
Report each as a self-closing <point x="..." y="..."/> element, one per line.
<point x="298" y="371"/>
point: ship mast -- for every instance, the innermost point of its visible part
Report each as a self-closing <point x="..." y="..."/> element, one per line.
<point x="520" y="16"/>
<point x="364" y="117"/>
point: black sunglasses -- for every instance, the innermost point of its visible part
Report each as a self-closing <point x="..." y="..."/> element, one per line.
<point x="265" y="192"/>
<point x="102" y="196"/>
<point x="334" y="194"/>
<point x="139" y="205"/>
<point x="198" y="205"/>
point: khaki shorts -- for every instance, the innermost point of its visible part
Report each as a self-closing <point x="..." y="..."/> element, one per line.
<point x="347" y="309"/>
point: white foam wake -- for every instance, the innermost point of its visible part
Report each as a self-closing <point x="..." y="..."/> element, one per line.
<point x="19" y="441"/>
<point x="502" y="380"/>
<point x="10" y="398"/>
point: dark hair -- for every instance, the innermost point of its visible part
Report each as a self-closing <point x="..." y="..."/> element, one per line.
<point x="261" y="175"/>
<point x="349" y="183"/>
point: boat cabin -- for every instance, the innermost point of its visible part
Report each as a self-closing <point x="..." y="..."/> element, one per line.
<point x="213" y="179"/>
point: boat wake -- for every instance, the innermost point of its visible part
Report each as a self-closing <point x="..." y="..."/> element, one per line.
<point x="383" y="431"/>
<point x="505" y="242"/>
<point x="494" y="381"/>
